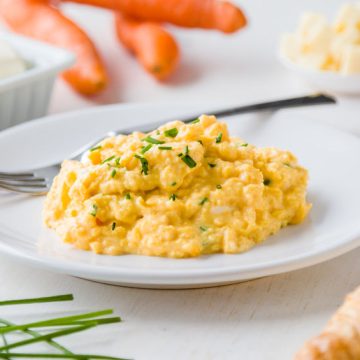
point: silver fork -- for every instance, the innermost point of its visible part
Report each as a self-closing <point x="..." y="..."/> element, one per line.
<point x="38" y="181"/>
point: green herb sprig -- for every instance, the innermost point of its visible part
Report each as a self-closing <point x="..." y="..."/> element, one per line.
<point x="68" y="325"/>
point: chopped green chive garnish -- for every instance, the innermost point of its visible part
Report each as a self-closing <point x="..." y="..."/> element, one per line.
<point x="144" y="164"/>
<point x="287" y="164"/>
<point x="172" y="197"/>
<point x="146" y="148"/>
<point x="94" y="210"/>
<point x="200" y="142"/>
<point x="113" y="173"/>
<point x="171" y="132"/>
<point x="113" y="226"/>
<point x="195" y="121"/>
<point x="212" y="165"/>
<point x="180" y="155"/>
<point x="203" y="201"/>
<point x="246" y="144"/>
<point x="189" y="161"/>
<point x="152" y="140"/>
<point x="108" y="159"/>
<point x="127" y="196"/>
<point x="267" y="182"/>
<point x="96" y="148"/>
<point x="203" y="228"/>
<point x="218" y="186"/>
<point x="173" y="183"/>
<point x="165" y="148"/>
<point x="117" y="161"/>
<point x="186" y="150"/>
<point x="157" y="132"/>
<point x="218" y="138"/>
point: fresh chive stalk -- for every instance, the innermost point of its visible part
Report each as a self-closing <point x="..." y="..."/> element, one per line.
<point x="171" y="132"/>
<point x="189" y="161"/>
<point x="49" y="336"/>
<point x="154" y="141"/>
<point x="165" y="148"/>
<point x="144" y="164"/>
<point x="146" y="148"/>
<point x="219" y="138"/>
<point x="56" y="321"/>
<point x="33" y="333"/>
<point x="108" y="159"/>
<point x="66" y="297"/>
<point x="58" y="356"/>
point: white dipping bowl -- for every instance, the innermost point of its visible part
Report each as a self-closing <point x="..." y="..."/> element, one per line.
<point x="326" y="81"/>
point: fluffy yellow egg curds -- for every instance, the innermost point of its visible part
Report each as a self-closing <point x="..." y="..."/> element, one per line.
<point x="180" y="191"/>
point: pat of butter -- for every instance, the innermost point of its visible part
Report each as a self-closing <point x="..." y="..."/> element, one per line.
<point x="10" y="62"/>
<point x="318" y="44"/>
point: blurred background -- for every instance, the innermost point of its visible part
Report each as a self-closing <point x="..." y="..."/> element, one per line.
<point x="234" y="68"/>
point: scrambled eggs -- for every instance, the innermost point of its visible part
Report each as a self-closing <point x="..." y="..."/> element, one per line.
<point x="180" y="191"/>
<point x="324" y="46"/>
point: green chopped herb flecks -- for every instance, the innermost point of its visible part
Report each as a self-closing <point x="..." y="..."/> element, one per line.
<point x="219" y="138"/>
<point x="146" y="148"/>
<point x="267" y="182"/>
<point x="212" y="165"/>
<point x="144" y="164"/>
<point x="172" y="197"/>
<point x="117" y="161"/>
<point x="94" y="210"/>
<point x="173" y="183"/>
<point x="203" y="201"/>
<point x="195" y="121"/>
<point x="96" y="148"/>
<point x="180" y="155"/>
<point x="287" y="164"/>
<point x="203" y="228"/>
<point x="154" y="141"/>
<point x="245" y="144"/>
<point x="113" y="173"/>
<point x="189" y="161"/>
<point x="186" y="150"/>
<point x="113" y="226"/>
<point x="200" y="142"/>
<point x="218" y="186"/>
<point x="165" y="148"/>
<point x="127" y="196"/>
<point x="157" y="132"/>
<point x="108" y="159"/>
<point x="171" y="132"/>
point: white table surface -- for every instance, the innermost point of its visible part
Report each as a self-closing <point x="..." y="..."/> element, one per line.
<point x="263" y="319"/>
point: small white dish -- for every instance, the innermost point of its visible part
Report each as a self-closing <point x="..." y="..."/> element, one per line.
<point x="331" y="229"/>
<point x="325" y="81"/>
<point x="26" y="95"/>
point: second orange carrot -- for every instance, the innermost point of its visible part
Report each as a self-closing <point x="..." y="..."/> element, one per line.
<point x="154" y="47"/>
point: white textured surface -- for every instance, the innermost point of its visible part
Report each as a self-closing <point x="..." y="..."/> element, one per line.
<point x="263" y="319"/>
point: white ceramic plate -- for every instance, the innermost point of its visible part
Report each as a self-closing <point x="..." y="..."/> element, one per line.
<point x="332" y="228"/>
<point x="325" y="81"/>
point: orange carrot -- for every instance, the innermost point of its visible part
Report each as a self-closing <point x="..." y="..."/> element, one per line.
<point x="207" y="14"/>
<point x="37" y="19"/>
<point x="154" y="47"/>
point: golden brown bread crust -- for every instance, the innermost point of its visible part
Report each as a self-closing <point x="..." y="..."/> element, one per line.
<point x="340" y="340"/>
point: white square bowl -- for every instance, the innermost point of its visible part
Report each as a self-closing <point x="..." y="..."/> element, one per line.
<point x="26" y="96"/>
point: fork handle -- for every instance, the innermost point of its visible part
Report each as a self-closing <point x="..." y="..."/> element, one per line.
<point x="275" y="105"/>
<point x="309" y="100"/>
